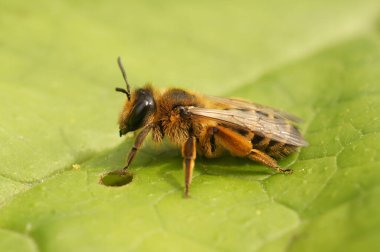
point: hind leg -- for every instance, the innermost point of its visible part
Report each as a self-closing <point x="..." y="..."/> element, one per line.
<point x="240" y="146"/>
<point x="267" y="160"/>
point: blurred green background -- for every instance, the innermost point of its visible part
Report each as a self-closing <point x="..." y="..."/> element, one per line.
<point x="317" y="59"/>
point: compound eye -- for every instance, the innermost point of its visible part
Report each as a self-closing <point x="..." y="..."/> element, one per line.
<point x="137" y="115"/>
<point x="143" y="106"/>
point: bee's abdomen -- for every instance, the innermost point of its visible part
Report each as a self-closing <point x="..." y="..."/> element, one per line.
<point x="272" y="147"/>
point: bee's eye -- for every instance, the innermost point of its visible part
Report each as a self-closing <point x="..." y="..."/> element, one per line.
<point x="137" y="115"/>
<point x="143" y="106"/>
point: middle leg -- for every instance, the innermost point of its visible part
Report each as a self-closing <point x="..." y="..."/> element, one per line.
<point x="189" y="155"/>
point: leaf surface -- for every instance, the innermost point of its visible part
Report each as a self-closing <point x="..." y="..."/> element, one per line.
<point x="318" y="60"/>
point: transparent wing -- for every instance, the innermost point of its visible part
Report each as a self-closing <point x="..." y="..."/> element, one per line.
<point x="242" y="104"/>
<point x="278" y="129"/>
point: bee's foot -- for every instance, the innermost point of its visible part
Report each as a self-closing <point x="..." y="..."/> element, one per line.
<point x="284" y="171"/>
<point x="186" y="195"/>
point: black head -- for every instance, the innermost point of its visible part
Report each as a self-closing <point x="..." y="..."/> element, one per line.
<point x="142" y="107"/>
<point x="138" y="107"/>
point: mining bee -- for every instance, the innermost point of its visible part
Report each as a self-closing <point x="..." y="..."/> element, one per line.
<point x="208" y="125"/>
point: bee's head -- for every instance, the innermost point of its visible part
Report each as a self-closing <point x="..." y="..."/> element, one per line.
<point x="138" y="108"/>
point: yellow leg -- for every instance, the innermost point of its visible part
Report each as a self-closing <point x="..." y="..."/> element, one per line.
<point x="189" y="155"/>
<point x="267" y="160"/>
<point x="239" y="146"/>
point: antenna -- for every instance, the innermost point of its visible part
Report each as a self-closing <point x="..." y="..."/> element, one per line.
<point x="122" y="90"/>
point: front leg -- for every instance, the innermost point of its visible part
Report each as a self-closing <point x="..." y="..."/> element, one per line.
<point x="189" y="154"/>
<point x="136" y="146"/>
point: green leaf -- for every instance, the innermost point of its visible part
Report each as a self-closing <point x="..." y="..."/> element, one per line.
<point x="319" y="60"/>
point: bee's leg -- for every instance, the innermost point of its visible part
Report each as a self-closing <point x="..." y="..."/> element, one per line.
<point x="239" y="146"/>
<point x="189" y="154"/>
<point x="138" y="142"/>
<point x="232" y="141"/>
<point x="267" y="160"/>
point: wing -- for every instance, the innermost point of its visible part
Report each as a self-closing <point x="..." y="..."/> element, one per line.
<point x="242" y="104"/>
<point x="278" y="129"/>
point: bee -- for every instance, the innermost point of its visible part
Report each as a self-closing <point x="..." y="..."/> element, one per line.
<point x="208" y="126"/>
